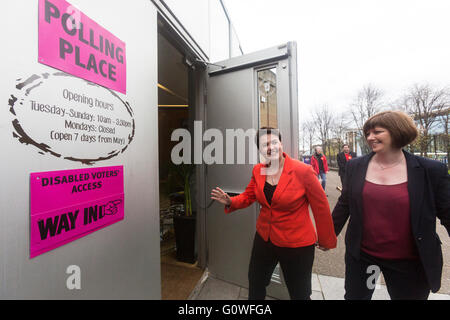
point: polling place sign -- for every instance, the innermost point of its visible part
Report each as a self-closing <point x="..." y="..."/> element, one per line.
<point x="70" y="204"/>
<point x="72" y="42"/>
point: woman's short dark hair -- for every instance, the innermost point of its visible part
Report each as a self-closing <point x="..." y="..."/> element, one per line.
<point x="267" y="130"/>
<point x="400" y="125"/>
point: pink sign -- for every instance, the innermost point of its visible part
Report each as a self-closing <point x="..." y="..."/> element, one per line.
<point x="69" y="204"/>
<point x="70" y="41"/>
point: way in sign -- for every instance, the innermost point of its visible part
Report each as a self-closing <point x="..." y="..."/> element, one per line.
<point x="53" y="226"/>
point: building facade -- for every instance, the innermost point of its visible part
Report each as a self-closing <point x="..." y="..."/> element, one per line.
<point x="100" y="86"/>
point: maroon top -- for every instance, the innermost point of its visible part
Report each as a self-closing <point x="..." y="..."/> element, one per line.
<point x="386" y="222"/>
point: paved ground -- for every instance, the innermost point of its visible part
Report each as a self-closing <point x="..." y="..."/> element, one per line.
<point x="328" y="269"/>
<point x="323" y="288"/>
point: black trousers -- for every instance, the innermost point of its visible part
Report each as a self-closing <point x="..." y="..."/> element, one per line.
<point x="296" y="265"/>
<point x="405" y="279"/>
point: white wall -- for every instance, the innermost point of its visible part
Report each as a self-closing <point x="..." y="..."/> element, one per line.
<point x="194" y="16"/>
<point x="235" y="44"/>
<point x="207" y="23"/>
<point x="121" y="261"/>
<point x="220" y="33"/>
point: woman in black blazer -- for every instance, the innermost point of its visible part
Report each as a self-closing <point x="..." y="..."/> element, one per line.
<point x="392" y="199"/>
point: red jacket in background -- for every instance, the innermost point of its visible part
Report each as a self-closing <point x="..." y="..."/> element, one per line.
<point x="315" y="163"/>
<point x="286" y="222"/>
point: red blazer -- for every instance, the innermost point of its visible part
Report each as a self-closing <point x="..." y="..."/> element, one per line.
<point x="287" y="221"/>
<point x="315" y="163"/>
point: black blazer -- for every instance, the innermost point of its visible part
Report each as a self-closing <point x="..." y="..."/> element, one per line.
<point x="429" y="196"/>
<point x="342" y="161"/>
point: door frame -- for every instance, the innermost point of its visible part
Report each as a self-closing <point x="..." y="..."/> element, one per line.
<point x="197" y="100"/>
<point x="283" y="57"/>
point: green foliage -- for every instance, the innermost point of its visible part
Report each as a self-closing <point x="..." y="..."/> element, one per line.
<point x="181" y="175"/>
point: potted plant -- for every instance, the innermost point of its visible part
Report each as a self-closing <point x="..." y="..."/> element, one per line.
<point x="184" y="221"/>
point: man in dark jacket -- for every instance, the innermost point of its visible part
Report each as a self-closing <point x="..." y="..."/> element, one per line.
<point x="342" y="159"/>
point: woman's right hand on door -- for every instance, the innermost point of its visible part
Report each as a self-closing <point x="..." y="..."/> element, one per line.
<point x="220" y="196"/>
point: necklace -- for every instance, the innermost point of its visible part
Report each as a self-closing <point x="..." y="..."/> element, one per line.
<point x="272" y="180"/>
<point x="388" y="167"/>
<point x="278" y="174"/>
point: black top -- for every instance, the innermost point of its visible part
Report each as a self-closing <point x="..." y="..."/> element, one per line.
<point x="319" y="160"/>
<point x="268" y="191"/>
<point x="342" y="161"/>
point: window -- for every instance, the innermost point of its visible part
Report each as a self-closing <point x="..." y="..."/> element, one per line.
<point x="267" y="97"/>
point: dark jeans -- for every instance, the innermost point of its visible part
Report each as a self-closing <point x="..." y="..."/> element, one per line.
<point x="296" y="264"/>
<point x="405" y="279"/>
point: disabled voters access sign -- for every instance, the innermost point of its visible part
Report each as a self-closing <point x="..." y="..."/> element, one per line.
<point x="69" y="204"/>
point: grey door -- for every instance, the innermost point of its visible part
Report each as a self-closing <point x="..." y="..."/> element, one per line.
<point x="246" y="92"/>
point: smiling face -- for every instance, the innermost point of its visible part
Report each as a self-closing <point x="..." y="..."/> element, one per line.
<point x="270" y="147"/>
<point x="346" y="149"/>
<point x="379" y="139"/>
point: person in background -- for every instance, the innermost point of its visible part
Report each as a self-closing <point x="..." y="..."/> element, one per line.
<point x="319" y="164"/>
<point x="284" y="188"/>
<point x="342" y="159"/>
<point x="393" y="199"/>
<point x="307" y="159"/>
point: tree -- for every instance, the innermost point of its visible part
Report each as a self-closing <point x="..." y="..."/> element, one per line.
<point x="368" y="102"/>
<point x="323" y="120"/>
<point x="425" y="104"/>
<point x="339" y="127"/>
<point x="302" y="137"/>
<point x="309" y="130"/>
<point x="444" y="119"/>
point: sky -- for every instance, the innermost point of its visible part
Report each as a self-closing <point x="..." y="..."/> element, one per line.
<point x="343" y="45"/>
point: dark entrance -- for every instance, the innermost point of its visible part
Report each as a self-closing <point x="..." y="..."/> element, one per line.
<point x="179" y="270"/>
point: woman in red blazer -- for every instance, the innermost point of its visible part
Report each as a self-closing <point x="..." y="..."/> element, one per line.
<point x="284" y="188"/>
